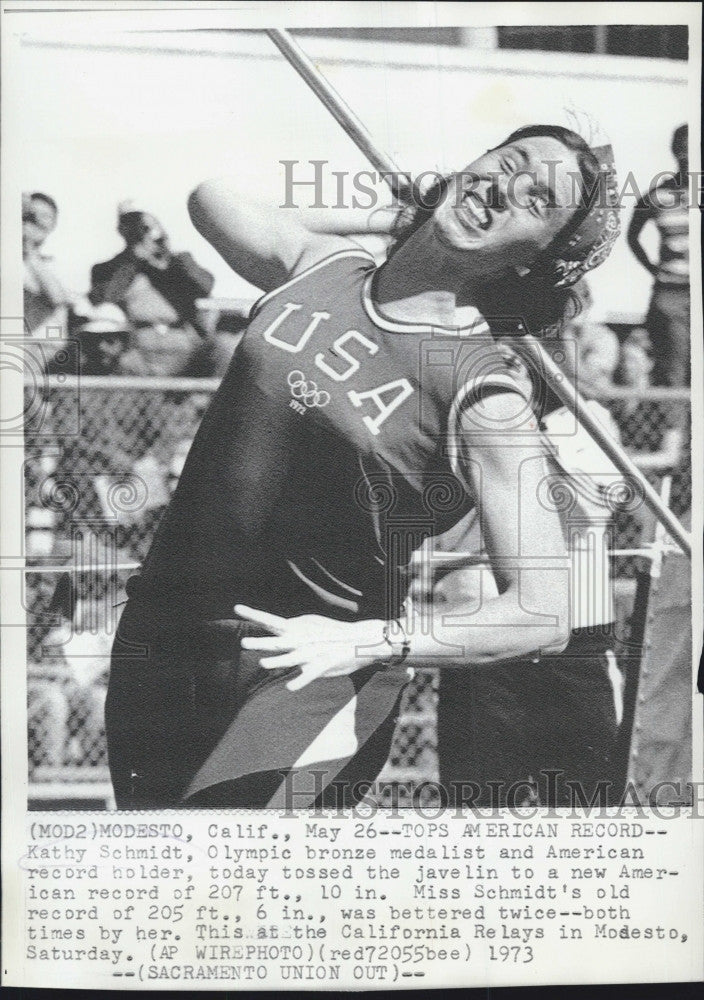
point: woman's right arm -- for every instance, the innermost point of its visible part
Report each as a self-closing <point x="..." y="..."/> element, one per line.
<point x="267" y="245"/>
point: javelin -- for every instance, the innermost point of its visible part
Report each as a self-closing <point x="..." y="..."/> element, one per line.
<point x="398" y="182"/>
<point x="551" y="374"/>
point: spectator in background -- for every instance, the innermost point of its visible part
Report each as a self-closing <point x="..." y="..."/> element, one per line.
<point x="593" y="360"/>
<point x="40" y="519"/>
<point x="655" y="430"/>
<point x="660" y="426"/>
<point x="635" y="362"/>
<point x="45" y="297"/>
<point x="157" y="290"/>
<point x="104" y="336"/>
<point x="666" y="205"/>
<point x="67" y="675"/>
<point x="218" y="351"/>
<point x="47" y="706"/>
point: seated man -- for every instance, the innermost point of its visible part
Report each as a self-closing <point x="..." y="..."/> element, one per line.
<point x="157" y="290"/>
<point x="104" y="341"/>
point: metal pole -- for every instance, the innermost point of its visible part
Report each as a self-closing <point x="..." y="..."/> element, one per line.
<point x="398" y="182"/>
<point x="554" y="378"/>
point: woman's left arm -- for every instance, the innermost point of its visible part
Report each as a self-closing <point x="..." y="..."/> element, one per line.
<point x="523" y="536"/>
<point x="506" y="469"/>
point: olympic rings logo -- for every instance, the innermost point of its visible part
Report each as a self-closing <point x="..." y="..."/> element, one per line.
<point x="306" y="390"/>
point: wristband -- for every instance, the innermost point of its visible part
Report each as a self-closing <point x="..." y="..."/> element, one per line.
<point x="399" y="648"/>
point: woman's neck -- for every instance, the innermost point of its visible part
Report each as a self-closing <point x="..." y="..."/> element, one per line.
<point x="422" y="283"/>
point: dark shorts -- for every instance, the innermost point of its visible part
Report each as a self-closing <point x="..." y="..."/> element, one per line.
<point x="502" y="728"/>
<point x="187" y="728"/>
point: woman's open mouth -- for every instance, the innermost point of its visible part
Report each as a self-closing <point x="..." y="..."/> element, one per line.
<point x="474" y="211"/>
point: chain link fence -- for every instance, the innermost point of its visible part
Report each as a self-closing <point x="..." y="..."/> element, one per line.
<point x="102" y="457"/>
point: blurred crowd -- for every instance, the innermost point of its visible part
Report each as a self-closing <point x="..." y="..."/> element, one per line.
<point x="144" y="312"/>
<point x="68" y="669"/>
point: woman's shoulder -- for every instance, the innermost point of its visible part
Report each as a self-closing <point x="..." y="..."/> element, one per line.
<point x="321" y="250"/>
<point x="337" y="263"/>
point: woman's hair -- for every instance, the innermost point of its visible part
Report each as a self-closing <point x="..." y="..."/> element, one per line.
<point x="531" y="300"/>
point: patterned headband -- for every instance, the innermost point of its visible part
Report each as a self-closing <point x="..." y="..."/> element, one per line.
<point x="590" y="243"/>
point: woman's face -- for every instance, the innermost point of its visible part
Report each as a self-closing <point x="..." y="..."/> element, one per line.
<point x="506" y="207"/>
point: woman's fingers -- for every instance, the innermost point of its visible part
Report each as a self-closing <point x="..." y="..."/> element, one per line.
<point x="275" y="623"/>
<point x="267" y="643"/>
<point x="292" y="659"/>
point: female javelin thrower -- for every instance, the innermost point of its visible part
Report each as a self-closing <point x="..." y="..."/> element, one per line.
<point x="365" y="409"/>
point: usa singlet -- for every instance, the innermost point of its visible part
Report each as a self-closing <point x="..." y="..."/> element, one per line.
<point x="327" y="456"/>
<point x="328" y="441"/>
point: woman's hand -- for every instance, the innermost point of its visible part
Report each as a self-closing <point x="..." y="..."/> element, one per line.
<point x="319" y="646"/>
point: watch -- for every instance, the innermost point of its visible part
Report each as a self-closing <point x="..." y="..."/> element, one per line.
<point x="400" y="648"/>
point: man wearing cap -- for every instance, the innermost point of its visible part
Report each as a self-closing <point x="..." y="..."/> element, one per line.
<point x="103" y="335"/>
<point x="157" y="290"/>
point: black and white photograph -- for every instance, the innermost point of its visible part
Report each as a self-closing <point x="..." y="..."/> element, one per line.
<point x="351" y="454"/>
